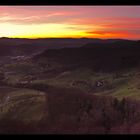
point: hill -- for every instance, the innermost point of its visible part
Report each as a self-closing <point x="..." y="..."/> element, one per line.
<point x="110" y="70"/>
<point x="89" y="89"/>
<point x="17" y="46"/>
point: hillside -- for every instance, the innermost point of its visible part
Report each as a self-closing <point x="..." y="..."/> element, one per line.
<point x="92" y="89"/>
<point x="17" y="46"/>
<point x="116" y="69"/>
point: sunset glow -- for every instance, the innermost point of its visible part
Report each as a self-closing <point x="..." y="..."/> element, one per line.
<point x="70" y="21"/>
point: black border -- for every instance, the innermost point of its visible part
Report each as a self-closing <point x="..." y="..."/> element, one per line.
<point x="70" y="2"/>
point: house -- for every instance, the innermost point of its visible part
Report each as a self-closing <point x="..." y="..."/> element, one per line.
<point x="99" y="83"/>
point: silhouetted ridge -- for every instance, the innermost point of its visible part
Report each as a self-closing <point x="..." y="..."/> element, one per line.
<point x="99" y="57"/>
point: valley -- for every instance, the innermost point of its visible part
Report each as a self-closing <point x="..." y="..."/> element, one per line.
<point x="90" y="89"/>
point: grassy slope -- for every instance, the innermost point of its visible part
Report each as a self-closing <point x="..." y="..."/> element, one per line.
<point x="60" y="74"/>
<point x="23" y="104"/>
<point x="124" y="85"/>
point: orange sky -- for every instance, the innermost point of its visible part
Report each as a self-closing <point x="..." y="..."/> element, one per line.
<point x="70" y="21"/>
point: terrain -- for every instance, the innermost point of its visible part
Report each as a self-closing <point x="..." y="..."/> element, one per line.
<point x="93" y="88"/>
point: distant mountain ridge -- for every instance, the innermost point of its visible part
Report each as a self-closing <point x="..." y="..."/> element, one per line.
<point x="110" y="56"/>
<point x="21" y="46"/>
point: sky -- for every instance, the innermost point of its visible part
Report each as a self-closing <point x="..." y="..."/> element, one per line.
<point x="70" y="21"/>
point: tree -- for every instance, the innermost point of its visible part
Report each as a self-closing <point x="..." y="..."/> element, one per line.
<point x="106" y="121"/>
<point x="2" y="78"/>
<point x="122" y="109"/>
<point x="115" y="103"/>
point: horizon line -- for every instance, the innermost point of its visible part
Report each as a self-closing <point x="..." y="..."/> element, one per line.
<point x="68" y="38"/>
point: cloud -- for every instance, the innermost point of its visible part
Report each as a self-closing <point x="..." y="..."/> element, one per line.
<point x="35" y="15"/>
<point x="71" y="14"/>
<point x="48" y="18"/>
<point x="130" y="34"/>
<point x="101" y="21"/>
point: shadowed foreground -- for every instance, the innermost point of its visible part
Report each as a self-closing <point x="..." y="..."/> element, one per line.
<point x="70" y="111"/>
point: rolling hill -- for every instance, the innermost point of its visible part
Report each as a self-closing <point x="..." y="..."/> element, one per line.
<point x="89" y="89"/>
